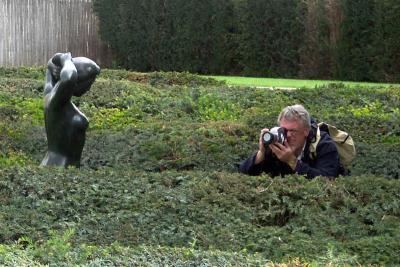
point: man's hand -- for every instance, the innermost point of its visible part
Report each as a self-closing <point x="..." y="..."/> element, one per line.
<point x="284" y="153"/>
<point x="261" y="149"/>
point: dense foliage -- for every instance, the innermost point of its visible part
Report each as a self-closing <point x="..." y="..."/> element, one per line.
<point x="329" y="39"/>
<point x="159" y="181"/>
<point x="180" y="35"/>
<point x="271" y="38"/>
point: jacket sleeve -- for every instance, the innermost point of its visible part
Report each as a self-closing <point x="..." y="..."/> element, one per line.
<point x="327" y="162"/>
<point x="248" y="166"/>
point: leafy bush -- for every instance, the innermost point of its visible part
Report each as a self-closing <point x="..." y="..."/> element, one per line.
<point x="207" y="210"/>
<point x="162" y="78"/>
<point x="159" y="172"/>
<point x="57" y="252"/>
<point x="23" y="72"/>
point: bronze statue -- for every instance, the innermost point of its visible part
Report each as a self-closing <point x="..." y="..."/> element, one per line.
<point x="65" y="124"/>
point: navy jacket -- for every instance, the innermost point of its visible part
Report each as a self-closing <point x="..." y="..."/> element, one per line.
<point x="326" y="163"/>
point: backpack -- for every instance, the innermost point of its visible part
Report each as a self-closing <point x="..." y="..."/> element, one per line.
<point x="344" y="144"/>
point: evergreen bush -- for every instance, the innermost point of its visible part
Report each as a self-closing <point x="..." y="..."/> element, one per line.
<point x="159" y="174"/>
<point x="319" y="39"/>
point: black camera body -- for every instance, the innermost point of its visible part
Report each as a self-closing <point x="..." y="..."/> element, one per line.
<point x="275" y="135"/>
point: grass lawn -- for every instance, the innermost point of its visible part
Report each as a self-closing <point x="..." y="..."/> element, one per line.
<point x="290" y="83"/>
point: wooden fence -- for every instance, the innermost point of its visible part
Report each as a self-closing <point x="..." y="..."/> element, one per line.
<point x="31" y="31"/>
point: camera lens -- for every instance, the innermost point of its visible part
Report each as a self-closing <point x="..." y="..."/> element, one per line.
<point x="267" y="138"/>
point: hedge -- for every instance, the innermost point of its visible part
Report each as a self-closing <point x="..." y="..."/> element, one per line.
<point x="159" y="174"/>
<point x="163" y="121"/>
<point x="319" y="39"/>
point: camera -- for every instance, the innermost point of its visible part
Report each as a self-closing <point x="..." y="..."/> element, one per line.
<point x="276" y="134"/>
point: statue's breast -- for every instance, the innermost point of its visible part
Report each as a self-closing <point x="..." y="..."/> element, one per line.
<point x="79" y="122"/>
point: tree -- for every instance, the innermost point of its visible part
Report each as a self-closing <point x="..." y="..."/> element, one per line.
<point x="355" y="48"/>
<point x="180" y="35"/>
<point x="386" y="41"/>
<point x="271" y="38"/>
<point x="322" y="32"/>
<point x="340" y="39"/>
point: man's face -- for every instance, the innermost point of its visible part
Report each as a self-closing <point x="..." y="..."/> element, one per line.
<point x="296" y="133"/>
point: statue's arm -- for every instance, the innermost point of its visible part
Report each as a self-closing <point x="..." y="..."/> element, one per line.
<point x="49" y="83"/>
<point x="52" y="73"/>
<point x="61" y="77"/>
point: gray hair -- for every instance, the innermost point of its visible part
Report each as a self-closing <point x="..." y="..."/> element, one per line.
<point x="296" y="112"/>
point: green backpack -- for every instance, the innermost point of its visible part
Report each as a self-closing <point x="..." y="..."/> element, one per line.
<point x="344" y="144"/>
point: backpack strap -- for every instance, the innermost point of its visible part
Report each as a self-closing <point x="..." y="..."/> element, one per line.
<point x="313" y="145"/>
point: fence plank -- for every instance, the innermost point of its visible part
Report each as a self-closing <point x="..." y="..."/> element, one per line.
<point x="31" y="31"/>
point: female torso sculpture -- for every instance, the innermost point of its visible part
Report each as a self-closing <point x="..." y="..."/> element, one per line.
<point x="65" y="124"/>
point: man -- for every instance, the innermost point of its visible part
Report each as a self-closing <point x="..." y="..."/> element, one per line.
<point x="293" y="156"/>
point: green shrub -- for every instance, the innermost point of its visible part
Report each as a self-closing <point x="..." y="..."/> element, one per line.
<point x="214" y="107"/>
<point x="159" y="172"/>
<point x="36" y="73"/>
<point x="58" y="252"/>
<point x="181" y="125"/>
<point x="220" y="210"/>
<point x="160" y="78"/>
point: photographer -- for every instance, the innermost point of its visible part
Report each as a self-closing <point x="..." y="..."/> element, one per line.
<point x="290" y="153"/>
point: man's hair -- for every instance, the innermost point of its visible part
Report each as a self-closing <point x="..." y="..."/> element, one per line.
<point x="296" y="112"/>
